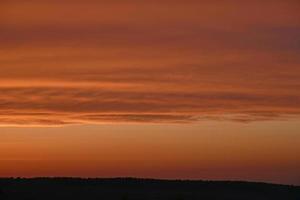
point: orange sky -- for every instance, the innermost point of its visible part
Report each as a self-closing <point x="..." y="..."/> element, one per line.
<point x="67" y="67"/>
<point x="256" y="151"/>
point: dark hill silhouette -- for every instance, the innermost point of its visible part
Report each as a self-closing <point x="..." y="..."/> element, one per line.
<point x="141" y="189"/>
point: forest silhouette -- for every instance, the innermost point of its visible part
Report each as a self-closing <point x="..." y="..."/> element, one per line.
<point x="141" y="189"/>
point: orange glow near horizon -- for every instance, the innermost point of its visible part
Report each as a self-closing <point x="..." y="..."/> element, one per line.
<point x="259" y="151"/>
<point x="163" y="89"/>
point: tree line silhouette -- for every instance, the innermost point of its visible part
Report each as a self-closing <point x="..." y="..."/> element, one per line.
<point x="141" y="189"/>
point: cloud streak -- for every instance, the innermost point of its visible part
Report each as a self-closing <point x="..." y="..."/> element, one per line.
<point x="200" y="61"/>
<point x="92" y="105"/>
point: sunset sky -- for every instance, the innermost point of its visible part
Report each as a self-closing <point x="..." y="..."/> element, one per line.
<point x="188" y="89"/>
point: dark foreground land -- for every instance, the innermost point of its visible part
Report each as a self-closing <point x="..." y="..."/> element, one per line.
<point x="140" y="189"/>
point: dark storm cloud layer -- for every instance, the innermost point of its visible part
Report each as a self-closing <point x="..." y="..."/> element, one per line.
<point x="154" y="61"/>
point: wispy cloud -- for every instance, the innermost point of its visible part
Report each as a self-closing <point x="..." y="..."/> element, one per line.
<point x="92" y="105"/>
<point x="170" y="62"/>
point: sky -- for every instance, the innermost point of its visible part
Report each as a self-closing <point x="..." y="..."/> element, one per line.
<point x="166" y="89"/>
